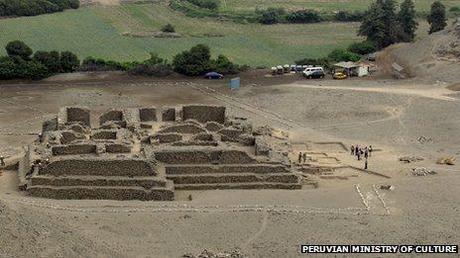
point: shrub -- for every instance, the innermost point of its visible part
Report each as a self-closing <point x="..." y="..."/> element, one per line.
<point x="19" y="49"/>
<point x="168" y="28"/>
<point x="271" y="15"/>
<point x="340" y="55"/>
<point x="207" y="4"/>
<point x="7" y="68"/>
<point x="69" y="62"/>
<point x="51" y="60"/>
<point x="193" y="62"/>
<point x="455" y="9"/>
<point x="363" y="48"/>
<point x="155" y="66"/>
<point x="323" y="62"/>
<point x="346" y="16"/>
<point x="223" y="65"/>
<point x="304" y="16"/>
<point x="99" y="64"/>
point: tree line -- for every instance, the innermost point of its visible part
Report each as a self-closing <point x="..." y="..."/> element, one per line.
<point x="384" y="26"/>
<point x="22" y="63"/>
<point x="35" y="7"/>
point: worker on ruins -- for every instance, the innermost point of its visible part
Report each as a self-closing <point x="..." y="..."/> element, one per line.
<point x="356" y="149"/>
<point x="304" y="155"/>
<point x="365" y="164"/>
<point x="366" y="153"/>
<point x="358" y="154"/>
<point x="352" y="150"/>
<point x="300" y="157"/>
<point x="370" y="150"/>
<point x="2" y="161"/>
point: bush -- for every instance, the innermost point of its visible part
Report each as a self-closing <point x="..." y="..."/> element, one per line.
<point x="35" y="7"/>
<point x="271" y="15"/>
<point x="455" y="9"/>
<point x="51" y="60"/>
<point x="346" y="16"/>
<point x="168" y="28"/>
<point x="304" y="16"/>
<point x="207" y="4"/>
<point x="223" y="65"/>
<point x="19" y="49"/>
<point x="155" y="66"/>
<point x="342" y="55"/>
<point x="323" y="62"/>
<point x="193" y="62"/>
<point x="93" y="64"/>
<point x="363" y="48"/>
<point x="17" y="68"/>
<point x="69" y="62"/>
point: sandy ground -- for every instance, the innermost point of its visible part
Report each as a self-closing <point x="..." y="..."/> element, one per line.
<point x="390" y="115"/>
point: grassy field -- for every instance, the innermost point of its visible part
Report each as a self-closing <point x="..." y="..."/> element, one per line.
<point x="101" y="32"/>
<point x="321" y="5"/>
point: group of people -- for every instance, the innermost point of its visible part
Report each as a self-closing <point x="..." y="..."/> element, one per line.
<point x="361" y="152"/>
<point x="302" y="157"/>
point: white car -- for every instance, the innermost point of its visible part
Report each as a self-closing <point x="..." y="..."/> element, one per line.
<point x="309" y="71"/>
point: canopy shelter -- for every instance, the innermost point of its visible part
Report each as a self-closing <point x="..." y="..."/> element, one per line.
<point x="352" y="68"/>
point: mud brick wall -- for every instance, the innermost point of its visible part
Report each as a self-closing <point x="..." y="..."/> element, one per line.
<point x="167" y="137"/>
<point x="111" y="115"/>
<point x="203" y="137"/>
<point x="204" y="114"/>
<point x="220" y="169"/>
<point x="50" y="125"/>
<point x="183" y="128"/>
<point x="117" y="148"/>
<point x="73" y="149"/>
<point x="261" y="146"/>
<point x="70" y="136"/>
<point x="213" y="126"/>
<point x="148" y="114"/>
<point x="77" y="114"/>
<point x="99" y="167"/>
<point x="239" y="178"/>
<point x="104" y="135"/>
<point x="203" y="157"/>
<point x="168" y="114"/>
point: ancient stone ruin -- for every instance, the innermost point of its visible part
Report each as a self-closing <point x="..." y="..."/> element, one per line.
<point x="148" y="154"/>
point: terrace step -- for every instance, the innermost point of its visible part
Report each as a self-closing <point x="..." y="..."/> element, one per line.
<point x="223" y="186"/>
<point x="224" y="169"/>
<point x="104" y="192"/>
<point x="233" y="178"/>
<point x="145" y="182"/>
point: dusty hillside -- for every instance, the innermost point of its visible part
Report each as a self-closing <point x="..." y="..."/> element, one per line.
<point x="434" y="58"/>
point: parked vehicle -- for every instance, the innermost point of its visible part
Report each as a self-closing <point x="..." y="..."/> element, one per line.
<point x="213" y="75"/>
<point x="339" y="76"/>
<point x="316" y="75"/>
<point x="308" y="72"/>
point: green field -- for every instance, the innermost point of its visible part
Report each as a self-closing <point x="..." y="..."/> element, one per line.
<point x="320" y="5"/>
<point x="100" y="32"/>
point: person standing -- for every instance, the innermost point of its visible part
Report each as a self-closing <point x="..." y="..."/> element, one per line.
<point x="2" y="161"/>
<point x="365" y="164"/>
<point x="352" y="150"/>
<point x="304" y="155"/>
<point x="366" y="153"/>
<point x="300" y="157"/>
<point x="370" y="150"/>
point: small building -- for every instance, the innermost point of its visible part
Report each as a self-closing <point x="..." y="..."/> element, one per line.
<point x="352" y="68"/>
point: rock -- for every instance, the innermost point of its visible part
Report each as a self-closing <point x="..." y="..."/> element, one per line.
<point x="446" y="161"/>
<point x="410" y="159"/>
<point x="387" y="187"/>
<point x="421" y="171"/>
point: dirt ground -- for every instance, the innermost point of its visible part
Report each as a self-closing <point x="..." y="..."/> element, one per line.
<point x="398" y="118"/>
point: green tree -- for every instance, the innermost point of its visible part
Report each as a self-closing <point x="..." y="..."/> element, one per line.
<point x="342" y="55"/>
<point x="406" y="19"/>
<point x="168" y="28"/>
<point x="49" y="59"/>
<point x="437" y="17"/>
<point x="18" y="49"/>
<point x="193" y="62"/>
<point x="392" y="30"/>
<point x="69" y="62"/>
<point x="373" y="26"/>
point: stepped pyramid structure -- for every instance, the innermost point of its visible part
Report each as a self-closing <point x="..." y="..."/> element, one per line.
<point x="149" y="153"/>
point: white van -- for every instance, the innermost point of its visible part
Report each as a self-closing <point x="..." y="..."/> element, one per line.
<point x="309" y="71"/>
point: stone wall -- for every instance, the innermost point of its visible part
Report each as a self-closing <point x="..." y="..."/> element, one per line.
<point x="99" y="167"/>
<point x="187" y="128"/>
<point x="168" y="114"/>
<point x="166" y="137"/>
<point x="104" y="135"/>
<point x="73" y="149"/>
<point x="203" y="157"/>
<point x="223" y="169"/>
<point x="204" y="114"/>
<point x="78" y="114"/>
<point x="111" y="115"/>
<point x="117" y="148"/>
<point x="148" y="114"/>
